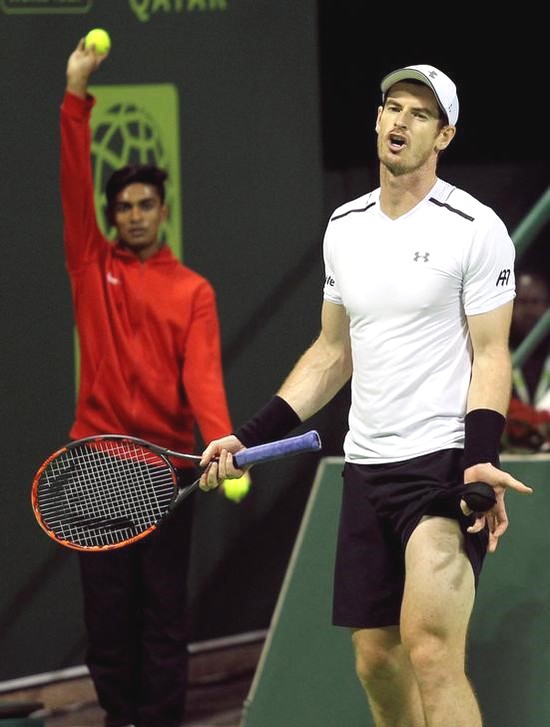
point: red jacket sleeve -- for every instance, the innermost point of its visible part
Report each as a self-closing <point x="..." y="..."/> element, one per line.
<point x="81" y="232"/>
<point x="202" y="369"/>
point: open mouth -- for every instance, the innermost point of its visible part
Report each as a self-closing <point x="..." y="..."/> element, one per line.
<point x="397" y="142"/>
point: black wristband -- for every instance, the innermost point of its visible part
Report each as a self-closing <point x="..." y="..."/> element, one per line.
<point x="483" y="430"/>
<point x="273" y="421"/>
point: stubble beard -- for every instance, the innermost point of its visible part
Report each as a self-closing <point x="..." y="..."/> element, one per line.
<point x="397" y="166"/>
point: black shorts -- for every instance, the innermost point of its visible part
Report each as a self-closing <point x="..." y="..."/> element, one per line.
<point x="381" y="506"/>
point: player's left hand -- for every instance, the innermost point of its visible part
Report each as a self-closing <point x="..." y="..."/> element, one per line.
<point x="218" y="461"/>
<point x="496" y="518"/>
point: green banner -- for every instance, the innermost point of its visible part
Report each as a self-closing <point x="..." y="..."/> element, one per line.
<point x="138" y="124"/>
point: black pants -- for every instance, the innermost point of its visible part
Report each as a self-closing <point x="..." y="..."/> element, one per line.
<point x="137" y="624"/>
<point x="381" y="506"/>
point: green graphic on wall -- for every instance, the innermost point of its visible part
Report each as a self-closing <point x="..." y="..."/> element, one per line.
<point x="138" y="124"/>
<point x="145" y="9"/>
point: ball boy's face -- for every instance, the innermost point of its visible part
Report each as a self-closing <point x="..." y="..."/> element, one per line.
<point x="137" y="215"/>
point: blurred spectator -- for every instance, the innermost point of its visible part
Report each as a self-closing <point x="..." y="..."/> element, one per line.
<point x="532" y="382"/>
<point x="528" y="421"/>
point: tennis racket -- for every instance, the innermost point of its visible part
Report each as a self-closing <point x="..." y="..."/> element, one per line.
<point x="107" y="491"/>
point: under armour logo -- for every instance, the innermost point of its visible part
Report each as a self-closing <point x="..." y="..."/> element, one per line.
<point x="419" y="256"/>
<point x="503" y="277"/>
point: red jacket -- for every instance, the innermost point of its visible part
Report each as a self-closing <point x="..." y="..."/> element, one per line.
<point x="149" y="332"/>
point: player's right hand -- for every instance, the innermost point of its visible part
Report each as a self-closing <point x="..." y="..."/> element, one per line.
<point x="218" y="460"/>
<point x="496" y="517"/>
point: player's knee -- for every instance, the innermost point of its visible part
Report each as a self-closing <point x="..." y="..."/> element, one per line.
<point x="431" y="655"/>
<point x="374" y="665"/>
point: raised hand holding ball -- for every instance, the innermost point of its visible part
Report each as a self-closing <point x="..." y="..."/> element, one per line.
<point x="100" y="39"/>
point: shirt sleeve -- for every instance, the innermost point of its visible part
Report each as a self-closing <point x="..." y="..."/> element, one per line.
<point x="331" y="291"/>
<point x="488" y="280"/>
<point x="202" y="369"/>
<point x="82" y="236"/>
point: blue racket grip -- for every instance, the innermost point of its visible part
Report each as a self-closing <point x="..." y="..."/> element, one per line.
<point x="308" y="442"/>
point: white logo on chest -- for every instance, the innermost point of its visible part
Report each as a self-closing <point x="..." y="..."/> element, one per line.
<point x="112" y="280"/>
<point x="421" y="256"/>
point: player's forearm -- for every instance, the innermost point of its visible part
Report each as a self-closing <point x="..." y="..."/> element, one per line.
<point x="491" y="380"/>
<point x="316" y="379"/>
<point x="322" y="370"/>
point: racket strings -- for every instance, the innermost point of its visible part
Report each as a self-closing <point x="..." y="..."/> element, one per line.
<point x="104" y="492"/>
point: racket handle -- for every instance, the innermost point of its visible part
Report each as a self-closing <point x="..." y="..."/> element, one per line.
<point x="479" y="496"/>
<point x="308" y="442"/>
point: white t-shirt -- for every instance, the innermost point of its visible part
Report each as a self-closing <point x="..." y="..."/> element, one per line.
<point x="407" y="286"/>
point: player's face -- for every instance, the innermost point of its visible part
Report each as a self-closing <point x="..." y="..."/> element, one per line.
<point x="409" y="130"/>
<point x="138" y="214"/>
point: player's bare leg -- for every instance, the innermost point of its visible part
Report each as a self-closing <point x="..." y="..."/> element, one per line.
<point x="386" y="674"/>
<point x="437" y="604"/>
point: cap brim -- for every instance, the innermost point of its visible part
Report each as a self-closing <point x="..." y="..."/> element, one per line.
<point x="402" y="75"/>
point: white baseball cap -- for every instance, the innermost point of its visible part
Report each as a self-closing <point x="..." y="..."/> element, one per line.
<point x="444" y="89"/>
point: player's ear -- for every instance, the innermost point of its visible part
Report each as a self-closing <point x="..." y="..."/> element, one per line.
<point x="164" y="212"/>
<point x="378" y="115"/>
<point x="446" y="135"/>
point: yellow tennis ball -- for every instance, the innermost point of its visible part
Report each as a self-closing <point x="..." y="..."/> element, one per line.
<point x="236" y="490"/>
<point x="99" y="38"/>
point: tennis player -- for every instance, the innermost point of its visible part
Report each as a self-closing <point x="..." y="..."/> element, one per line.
<point x="150" y="367"/>
<point x="417" y="304"/>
